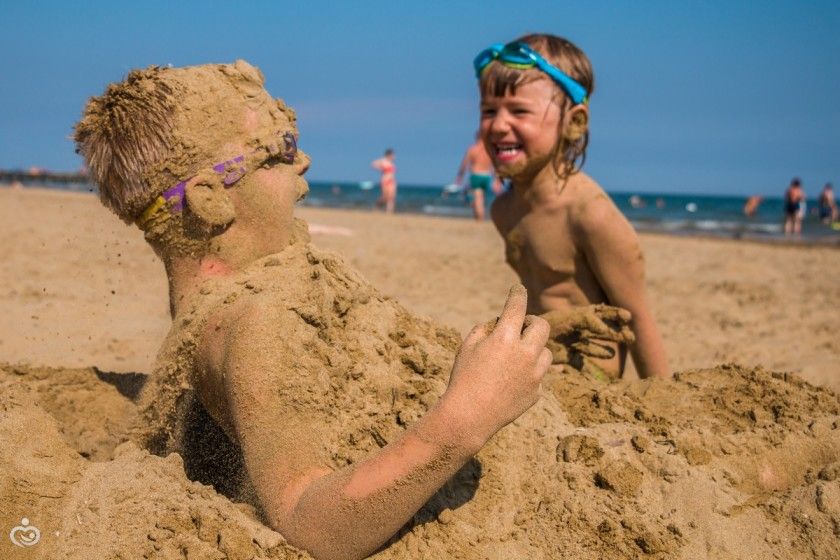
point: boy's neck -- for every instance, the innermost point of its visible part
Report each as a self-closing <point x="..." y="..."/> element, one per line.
<point x="185" y="275"/>
<point x="225" y="255"/>
<point x="544" y="187"/>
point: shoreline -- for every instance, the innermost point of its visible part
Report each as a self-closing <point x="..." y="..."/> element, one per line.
<point x="828" y="240"/>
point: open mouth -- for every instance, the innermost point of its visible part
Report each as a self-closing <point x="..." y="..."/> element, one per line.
<point x="507" y="152"/>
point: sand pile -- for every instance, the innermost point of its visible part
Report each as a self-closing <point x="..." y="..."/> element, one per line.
<point x="728" y="462"/>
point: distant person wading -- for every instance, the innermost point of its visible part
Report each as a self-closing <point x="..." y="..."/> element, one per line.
<point x="794" y="207"/>
<point x="828" y="205"/>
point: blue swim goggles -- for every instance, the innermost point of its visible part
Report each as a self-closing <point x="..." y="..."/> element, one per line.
<point x="520" y="55"/>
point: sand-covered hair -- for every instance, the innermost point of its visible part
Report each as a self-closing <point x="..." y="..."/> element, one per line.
<point x="123" y="133"/>
<point x="498" y="79"/>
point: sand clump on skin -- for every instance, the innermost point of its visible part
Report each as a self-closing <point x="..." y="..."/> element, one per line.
<point x="202" y="113"/>
<point x="207" y="108"/>
<point x="728" y="462"/>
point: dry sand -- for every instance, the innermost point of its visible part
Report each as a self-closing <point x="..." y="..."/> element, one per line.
<point x="723" y="462"/>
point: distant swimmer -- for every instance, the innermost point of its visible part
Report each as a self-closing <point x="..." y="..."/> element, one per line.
<point x="637" y="202"/>
<point x="752" y="204"/>
<point x="691" y="207"/>
<point x="477" y="161"/>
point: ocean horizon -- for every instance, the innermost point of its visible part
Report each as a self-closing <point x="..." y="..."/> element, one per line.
<point x="678" y="214"/>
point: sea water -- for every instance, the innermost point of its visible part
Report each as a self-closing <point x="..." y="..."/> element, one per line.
<point x="684" y="214"/>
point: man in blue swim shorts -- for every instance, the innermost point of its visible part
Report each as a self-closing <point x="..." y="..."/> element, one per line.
<point x="480" y="181"/>
<point x="477" y="161"/>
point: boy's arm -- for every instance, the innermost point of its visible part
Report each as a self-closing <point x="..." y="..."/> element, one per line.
<point x="350" y="512"/>
<point x="615" y="257"/>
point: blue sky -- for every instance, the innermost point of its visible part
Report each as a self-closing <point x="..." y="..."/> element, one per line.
<point x="711" y="97"/>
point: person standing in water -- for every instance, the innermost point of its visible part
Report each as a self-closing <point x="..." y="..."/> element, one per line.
<point x="388" y="181"/>
<point x="477" y="161"/>
<point x="794" y="207"/>
<point x="828" y="205"/>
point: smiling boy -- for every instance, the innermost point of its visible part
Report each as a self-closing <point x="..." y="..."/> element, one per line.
<point x="563" y="235"/>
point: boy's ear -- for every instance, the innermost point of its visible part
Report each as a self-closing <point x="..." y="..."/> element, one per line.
<point x="578" y="122"/>
<point x="208" y="200"/>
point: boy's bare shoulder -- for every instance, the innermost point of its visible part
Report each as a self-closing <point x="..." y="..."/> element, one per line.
<point x="254" y="317"/>
<point x="592" y="208"/>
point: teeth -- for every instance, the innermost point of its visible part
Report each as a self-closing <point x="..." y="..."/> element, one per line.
<point x="507" y="149"/>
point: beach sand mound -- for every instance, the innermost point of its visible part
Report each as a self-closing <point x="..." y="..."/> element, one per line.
<point x="727" y="462"/>
<point x="121" y="502"/>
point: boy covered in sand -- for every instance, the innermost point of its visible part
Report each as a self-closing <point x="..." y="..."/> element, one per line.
<point x="337" y="397"/>
<point x="564" y="237"/>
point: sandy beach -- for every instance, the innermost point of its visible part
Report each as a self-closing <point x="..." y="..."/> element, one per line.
<point x="80" y="288"/>
<point x="752" y="449"/>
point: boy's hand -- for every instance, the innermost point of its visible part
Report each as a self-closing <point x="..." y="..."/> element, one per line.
<point x="497" y="372"/>
<point x="574" y="332"/>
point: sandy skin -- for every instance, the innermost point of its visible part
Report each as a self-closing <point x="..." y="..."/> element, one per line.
<point x="565" y="239"/>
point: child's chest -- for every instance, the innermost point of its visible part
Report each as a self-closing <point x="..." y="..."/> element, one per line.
<point x="541" y="245"/>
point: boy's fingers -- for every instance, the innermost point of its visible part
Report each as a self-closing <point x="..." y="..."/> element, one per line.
<point x="559" y="351"/>
<point x="617" y="314"/>
<point x="627" y="335"/>
<point x="603" y="333"/>
<point x="535" y="331"/>
<point x="617" y="318"/>
<point x="593" y="349"/>
<point x="596" y="327"/>
<point x="478" y="333"/>
<point x="545" y="360"/>
<point x="513" y="313"/>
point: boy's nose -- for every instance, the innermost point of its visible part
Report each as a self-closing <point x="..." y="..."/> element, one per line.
<point x="499" y="124"/>
<point x="302" y="162"/>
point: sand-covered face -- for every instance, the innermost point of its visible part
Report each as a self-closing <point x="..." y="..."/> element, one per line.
<point x="211" y="103"/>
<point x="228" y="133"/>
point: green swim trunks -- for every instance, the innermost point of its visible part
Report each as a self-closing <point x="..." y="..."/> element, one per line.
<point x="482" y="182"/>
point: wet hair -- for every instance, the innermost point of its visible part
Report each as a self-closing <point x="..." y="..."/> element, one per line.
<point x="498" y="80"/>
<point x="124" y="132"/>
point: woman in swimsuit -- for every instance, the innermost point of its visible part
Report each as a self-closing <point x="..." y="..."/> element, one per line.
<point x="388" y="182"/>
